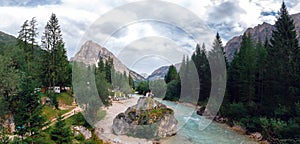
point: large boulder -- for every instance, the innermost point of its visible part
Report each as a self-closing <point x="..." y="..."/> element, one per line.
<point x="147" y="119"/>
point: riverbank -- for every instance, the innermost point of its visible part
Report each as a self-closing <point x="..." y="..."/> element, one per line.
<point x="189" y="130"/>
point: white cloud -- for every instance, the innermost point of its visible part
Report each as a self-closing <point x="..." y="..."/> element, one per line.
<point x="228" y="17"/>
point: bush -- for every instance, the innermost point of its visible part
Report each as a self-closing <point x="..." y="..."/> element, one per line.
<point x="80" y="137"/>
<point x="237" y="111"/>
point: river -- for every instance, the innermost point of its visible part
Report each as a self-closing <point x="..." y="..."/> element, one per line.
<point x="195" y="129"/>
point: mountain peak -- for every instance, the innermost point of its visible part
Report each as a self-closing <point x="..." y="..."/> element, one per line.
<point x="90" y="52"/>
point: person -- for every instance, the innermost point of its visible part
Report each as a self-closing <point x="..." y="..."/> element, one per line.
<point x="147" y="94"/>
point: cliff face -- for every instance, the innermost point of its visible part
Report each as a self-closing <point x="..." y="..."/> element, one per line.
<point x="147" y="119"/>
<point x="258" y="33"/>
<point x="91" y="52"/>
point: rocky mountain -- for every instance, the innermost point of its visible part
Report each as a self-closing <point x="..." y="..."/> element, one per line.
<point x="90" y="53"/>
<point x="161" y="72"/>
<point x="258" y="33"/>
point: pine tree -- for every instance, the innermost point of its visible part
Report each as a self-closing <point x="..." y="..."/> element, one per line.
<point x="28" y="111"/>
<point x="55" y="59"/>
<point x="233" y="79"/>
<point x="283" y="62"/>
<point x="60" y="133"/>
<point x="260" y="70"/>
<point x="247" y="63"/>
<point x="28" y="114"/>
<point x="218" y="64"/>
<point x="202" y="65"/>
<point x="241" y="81"/>
<point x="172" y="74"/>
<point x="102" y="83"/>
<point x="108" y="69"/>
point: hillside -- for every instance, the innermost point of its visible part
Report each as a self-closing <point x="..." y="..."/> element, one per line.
<point x="6" y="41"/>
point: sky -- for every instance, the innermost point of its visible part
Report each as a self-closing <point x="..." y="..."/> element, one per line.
<point x="163" y="42"/>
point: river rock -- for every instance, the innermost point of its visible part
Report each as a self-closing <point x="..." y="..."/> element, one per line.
<point x="84" y="131"/>
<point x="147" y="119"/>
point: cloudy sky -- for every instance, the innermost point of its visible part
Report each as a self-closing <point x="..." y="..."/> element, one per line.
<point x="77" y="17"/>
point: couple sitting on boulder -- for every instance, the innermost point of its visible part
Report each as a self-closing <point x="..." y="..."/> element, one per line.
<point x="149" y="94"/>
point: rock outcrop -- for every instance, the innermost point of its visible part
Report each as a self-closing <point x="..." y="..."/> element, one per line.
<point x="147" y="119"/>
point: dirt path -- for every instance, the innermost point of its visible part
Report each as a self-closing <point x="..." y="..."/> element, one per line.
<point x="74" y="111"/>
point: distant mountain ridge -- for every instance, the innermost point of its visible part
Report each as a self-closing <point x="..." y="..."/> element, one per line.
<point x="7" y="41"/>
<point x="90" y="53"/>
<point x="260" y="32"/>
<point x="161" y="72"/>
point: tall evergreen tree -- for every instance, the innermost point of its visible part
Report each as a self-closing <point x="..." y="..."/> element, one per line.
<point x="27" y="41"/>
<point x="102" y="84"/>
<point x="200" y="60"/>
<point x="55" y="59"/>
<point x="172" y="74"/>
<point x="28" y="113"/>
<point x="108" y="69"/>
<point x="261" y="54"/>
<point x="282" y="84"/>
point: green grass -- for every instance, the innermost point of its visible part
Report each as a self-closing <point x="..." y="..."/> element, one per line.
<point x="49" y="112"/>
<point x="65" y="98"/>
<point x="78" y="119"/>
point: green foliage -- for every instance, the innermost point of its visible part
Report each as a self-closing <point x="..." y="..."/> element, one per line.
<point x="121" y="82"/>
<point x="143" y="88"/>
<point x="78" y="119"/>
<point x="263" y="84"/>
<point x="80" y="137"/>
<point x="173" y="91"/>
<point x="131" y="82"/>
<point x="158" y="88"/>
<point x="172" y="74"/>
<point x="60" y="133"/>
<point x="200" y="60"/>
<point x="28" y="113"/>
<point x="10" y="85"/>
<point x="64" y="98"/>
<point x="4" y="139"/>
<point x="55" y="65"/>
<point x="103" y="82"/>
